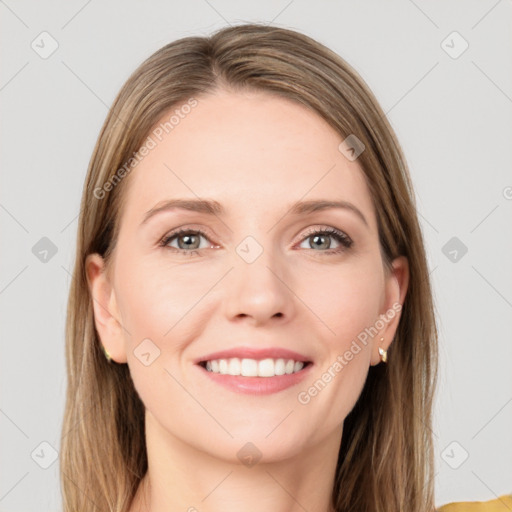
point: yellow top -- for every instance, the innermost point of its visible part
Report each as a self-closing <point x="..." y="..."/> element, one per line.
<point x="501" y="504"/>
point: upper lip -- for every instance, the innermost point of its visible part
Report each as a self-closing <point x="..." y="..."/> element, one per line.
<point x="254" y="353"/>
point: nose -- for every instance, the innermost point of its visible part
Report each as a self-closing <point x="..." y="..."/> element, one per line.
<point x="259" y="291"/>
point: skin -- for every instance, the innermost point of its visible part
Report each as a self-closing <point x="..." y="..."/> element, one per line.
<point x="256" y="154"/>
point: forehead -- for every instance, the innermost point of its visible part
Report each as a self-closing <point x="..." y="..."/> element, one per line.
<point x="249" y="151"/>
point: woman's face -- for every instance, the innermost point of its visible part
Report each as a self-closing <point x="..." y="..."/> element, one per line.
<point x="251" y="276"/>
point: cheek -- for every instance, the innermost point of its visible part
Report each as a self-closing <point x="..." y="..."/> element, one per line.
<point x="155" y="297"/>
<point x="160" y="302"/>
<point x="348" y="302"/>
<point x="345" y="299"/>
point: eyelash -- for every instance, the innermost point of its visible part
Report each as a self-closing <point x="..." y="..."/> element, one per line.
<point x="340" y="237"/>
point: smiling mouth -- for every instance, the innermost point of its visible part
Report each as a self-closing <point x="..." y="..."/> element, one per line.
<point x="246" y="367"/>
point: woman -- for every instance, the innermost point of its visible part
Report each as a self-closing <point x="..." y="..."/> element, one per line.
<point x="249" y="258"/>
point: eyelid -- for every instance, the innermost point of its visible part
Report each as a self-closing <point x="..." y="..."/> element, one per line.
<point x="204" y="232"/>
<point x="181" y="230"/>
<point x="340" y="235"/>
<point x="324" y="228"/>
<point x="185" y="229"/>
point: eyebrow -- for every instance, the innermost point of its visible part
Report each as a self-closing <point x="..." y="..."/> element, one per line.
<point x="212" y="207"/>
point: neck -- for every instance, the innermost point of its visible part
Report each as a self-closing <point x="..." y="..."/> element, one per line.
<point x="181" y="477"/>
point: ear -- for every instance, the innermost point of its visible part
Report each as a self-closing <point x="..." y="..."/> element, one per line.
<point x="106" y="314"/>
<point x="396" y="285"/>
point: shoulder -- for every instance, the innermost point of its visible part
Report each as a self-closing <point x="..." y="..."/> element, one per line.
<point x="501" y="504"/>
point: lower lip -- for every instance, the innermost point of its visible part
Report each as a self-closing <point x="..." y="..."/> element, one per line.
<point x="257" y="385"/>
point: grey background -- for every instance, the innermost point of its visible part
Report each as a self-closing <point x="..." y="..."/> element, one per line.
<point x="452" y="116"/>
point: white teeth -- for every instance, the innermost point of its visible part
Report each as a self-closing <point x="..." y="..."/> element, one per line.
<point x="249" y="368"/>
<point x="253" y="368"/>
<point x="223" y="366"/>
<point x="298" y="366"/>
<point x="266" y="368"/>
<point x="279" y="367"/>
<point x="234" y="366"/>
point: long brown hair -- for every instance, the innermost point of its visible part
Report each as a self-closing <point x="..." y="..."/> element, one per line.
<point x="386" y="457"/>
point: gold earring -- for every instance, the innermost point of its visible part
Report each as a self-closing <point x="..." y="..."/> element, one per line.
<point x="383" y="353"/>
<point x="107" y="355"/>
